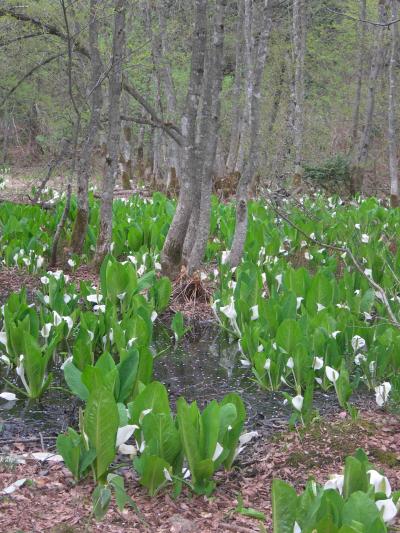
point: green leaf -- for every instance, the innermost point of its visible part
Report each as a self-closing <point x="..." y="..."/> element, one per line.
<point x="151" y="468"/>
<point x="360" y="508"/>
<point x="284" y="507"/>
<point x="73" y="378"/>
<point x="100" y="424"/>
<point x="355" y="477"/>
<point x="101" y="500"/>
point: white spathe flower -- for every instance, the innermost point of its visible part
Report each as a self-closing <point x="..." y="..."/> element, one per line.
<point x="318" y="363"/>
<point x="359" y="358"/>
<point x="299" y="299"/>
<point x="94" y="298"/>
<point x="245" y="362"/>
<point x="279" y="280"/>
<point x="357" y="226"/>
<point x="39" y="261"/>
<point x="46" y="299"/>
<point x="5" y="359"/>
<point x="382" y="393"/>
<point x="217" y="452"/>
<point x="296" y="528"/>
<point x="379" y="482"/>
<point x="45" y="331"/>
<point x="331" y="374"/>
<point x="9" y="396"/>
<point x="297" y="402"/>
<point x="320" y="307"/>
<point x="69" y="321"/>
<point x="225" y="257"/>
<point x="254" y="312"/>
<point x="56" y="318"/>
<point x="144" y="413"/>
<point x="267" y="364"/>
<point x="67" y="298"/>
<point x="167" y="475"/>
<point x="153" y="316"/>
<point x="71" y="263"/>
<point x="358" y="343"/>
<point x="365" y="238"/>
<point x="368" y="272"/>
<point x="387" y="508"/>
<point x="3" y="338"/>
<point x="127" y="449"/>
<point x="124" y="433"/>
<point x="21" y="373"/>
<point x="290" y="363"/>
<point x="335" y="334"/>
<point x="66" y="362"/>
<point x="99" y="308"/>
<point x="335" y="482"/>
<point x="45" y="280"/>
<point x="308" y="256"/>
<point x="229" y="310"/>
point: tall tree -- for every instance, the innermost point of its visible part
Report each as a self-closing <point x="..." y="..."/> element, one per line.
<point x="210" y="125"/>
<point x="255" y="57"/>
<point x="392" y="122"/>
<point x="114" y="131"/>
<point x="299" y="49"/>
<point x="378" y="54"/>
<point x="96" y="102"/>
<point x="362" y="29"/>
<point x="171" y="256"/>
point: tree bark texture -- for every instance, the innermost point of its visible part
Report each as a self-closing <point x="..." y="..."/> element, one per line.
<point x="84" y="163"/>
<point x="256" y="55"/>
<point x="392" y="123"/>
<point x="212" y="119"/>
<point x="114" y="130"/>
<point x="171" y="256"/>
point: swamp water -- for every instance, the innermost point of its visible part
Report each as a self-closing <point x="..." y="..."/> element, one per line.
<point x="203" y="366"/>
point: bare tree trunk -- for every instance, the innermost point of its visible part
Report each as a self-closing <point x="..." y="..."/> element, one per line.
<point x="114" y="130"/>
<point x="299" y="49"/>
<point x="171" y="256"/>
<point x="392" y="123"/>
<point x="84" y="165"/>
<point x="237" y="89"/>
<point x="211" y="141"/>
<point x="254" y="74"/>
<point x="360" y="71"/>
<point x="361" y="156"/>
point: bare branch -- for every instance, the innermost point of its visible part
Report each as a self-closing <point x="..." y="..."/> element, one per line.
<point x="373" y="23"/>
<point x="173" y="132"/>
<point x="29" y="73"/>
<point x="20" y="38"/>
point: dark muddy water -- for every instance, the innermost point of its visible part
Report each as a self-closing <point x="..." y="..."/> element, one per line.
<point x="205" y="365"/>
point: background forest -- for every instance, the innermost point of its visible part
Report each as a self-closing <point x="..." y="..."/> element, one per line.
<point x="341" y="67"/>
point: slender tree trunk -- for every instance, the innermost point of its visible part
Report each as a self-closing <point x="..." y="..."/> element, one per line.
<point x="237" y="89"/>
<point x="392" y="123"/>
<point x="299" y="49"/>
<point x="360" y="71"/>
<point x="171" y="256"/>
<point x="114" y="130"/>
<point x="84" y="164"/>
<point x="254" y="79"/>
<point x="378" y="54"/>
<point x="211" y="141"/>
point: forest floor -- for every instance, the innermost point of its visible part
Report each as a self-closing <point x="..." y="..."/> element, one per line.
<point x="50" y="500"/>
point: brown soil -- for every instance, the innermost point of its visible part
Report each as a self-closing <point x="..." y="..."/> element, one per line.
<point x="52" y="502"/>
